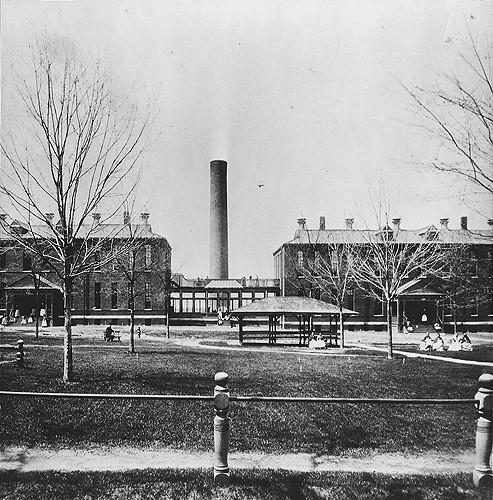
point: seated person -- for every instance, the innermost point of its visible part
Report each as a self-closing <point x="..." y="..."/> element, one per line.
<point x="109" y="334"/>
<point x="426" y="343"/>
<point x="408" y="327"/>
<point x="438" y="343"/>
<point x="437" y="327"/>
<point x="465" y="343"/>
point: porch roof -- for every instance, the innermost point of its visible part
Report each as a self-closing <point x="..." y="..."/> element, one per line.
<point x="27" y="283"/>
<point x="418" y="287"/>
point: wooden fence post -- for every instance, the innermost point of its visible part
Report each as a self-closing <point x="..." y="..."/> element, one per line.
<point x="221" y="429"/>
<point x="482" y="474"/>
<point x="20" y="354"/>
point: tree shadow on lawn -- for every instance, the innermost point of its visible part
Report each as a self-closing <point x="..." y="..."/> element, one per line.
<point x="267" y="484"/>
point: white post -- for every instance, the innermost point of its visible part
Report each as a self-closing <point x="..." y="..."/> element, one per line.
<point x="482" y="475"/>
<point x="221" y="429"/>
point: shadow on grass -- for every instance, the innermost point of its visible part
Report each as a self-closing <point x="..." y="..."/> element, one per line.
<point x="245" y="484"/>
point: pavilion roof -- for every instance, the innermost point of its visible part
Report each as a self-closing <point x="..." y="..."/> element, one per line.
<point x="289" y="305"/>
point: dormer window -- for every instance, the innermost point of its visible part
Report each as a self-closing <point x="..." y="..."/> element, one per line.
<point x="431" y="233"/>
<point x="386" y="233"/>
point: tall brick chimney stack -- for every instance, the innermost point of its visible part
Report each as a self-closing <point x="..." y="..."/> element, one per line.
<point x="219" y="220"/>
<point x="463" y="223"/>
<point x="322" y="223"/>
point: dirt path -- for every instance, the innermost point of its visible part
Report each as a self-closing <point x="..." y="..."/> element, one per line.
<point x="118" y="459"/>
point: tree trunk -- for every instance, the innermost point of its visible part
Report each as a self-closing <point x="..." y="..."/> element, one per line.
<point x="36" y="306"/>
<point x="390" y="354"/>
<point x="68" y="298"/>
<point x="132" y="316"/>
<point x="132" y="329"/>
<point x="341" y="327"/>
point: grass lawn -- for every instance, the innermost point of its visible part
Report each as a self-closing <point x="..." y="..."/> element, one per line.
<point x="167" y="368"/>
<point x="259" y="484"/>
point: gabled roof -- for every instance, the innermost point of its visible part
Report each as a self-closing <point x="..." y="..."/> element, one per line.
<point x="418" y="287"/>
<point x="289" y="305"/>
<point x="27" y="283"/>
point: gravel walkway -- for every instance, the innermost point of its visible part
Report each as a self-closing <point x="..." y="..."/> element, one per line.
<point x="120" y="459"/>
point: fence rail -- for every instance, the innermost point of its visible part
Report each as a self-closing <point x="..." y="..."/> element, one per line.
<point x="248" y="399"/>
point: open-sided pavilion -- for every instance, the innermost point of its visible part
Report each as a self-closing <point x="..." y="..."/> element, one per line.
<point x="290" y="320"/>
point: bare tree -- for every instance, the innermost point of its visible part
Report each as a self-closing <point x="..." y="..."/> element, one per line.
<point x="458" y="112"/>
<point x="387" y="258"/>
<point x="466" y="278"/>
<point x="144" y="259"/>
<point x="329" y="267"/>
<point x="85" y="142"/>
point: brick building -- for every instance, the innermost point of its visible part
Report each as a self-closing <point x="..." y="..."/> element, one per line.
<point x="101" y="296"/>
<point x="420" y="296"/>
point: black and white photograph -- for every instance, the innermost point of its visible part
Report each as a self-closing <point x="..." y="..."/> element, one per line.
<point x="246" y="249"/>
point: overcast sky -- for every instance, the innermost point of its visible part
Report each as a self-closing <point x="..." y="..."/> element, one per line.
<point x="300" y="97"/>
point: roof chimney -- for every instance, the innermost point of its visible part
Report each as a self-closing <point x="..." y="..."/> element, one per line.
<point x="301" y="224"/>
<point x="145" y="218"/>
<point x="97" y="217"/>
<point x="322" y="223"/>
<point x="463" y="223"/>
<point x="397" y="224"/>
<point x="444" y="223"/>
<point x="49" y="217"/>
<point x="126" y="217"/>
<point x="490" y="222"/>
<point x="349" y="223"/>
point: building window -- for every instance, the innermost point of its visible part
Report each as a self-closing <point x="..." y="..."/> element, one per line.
<point x="147" y="296"/>
<point x="114" y="295"/>
<point x="350" y="299"/>
<point x="378" y="311"/>
<point x="3" y="260"/>
<point x="27" y="264"/>
<point x="97" y="295"/>
<point x="300" y="258"/>
<point x="97" y="260"/>
<point x="148" y="257"/>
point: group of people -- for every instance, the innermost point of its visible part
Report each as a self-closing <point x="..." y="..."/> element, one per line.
<point x="429" y="344"/>
<point x="409" y="327"/>
<point x="460" y="342"/>
<point x="14" y="316"/>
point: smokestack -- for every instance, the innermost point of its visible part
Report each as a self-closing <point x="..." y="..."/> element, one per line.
<point x="97" y="217"/>
<point x="349" y="223"/>
<point x="301" y="224"/>
<point x="444" y="223"/>
<point x="490" y="222"/>
<point x="322" y="223"/>
<point x="463" y="223"/>
<point x="397" y="224"/>
<point x="145" y="218"/>
<point x="219" y="220"/>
